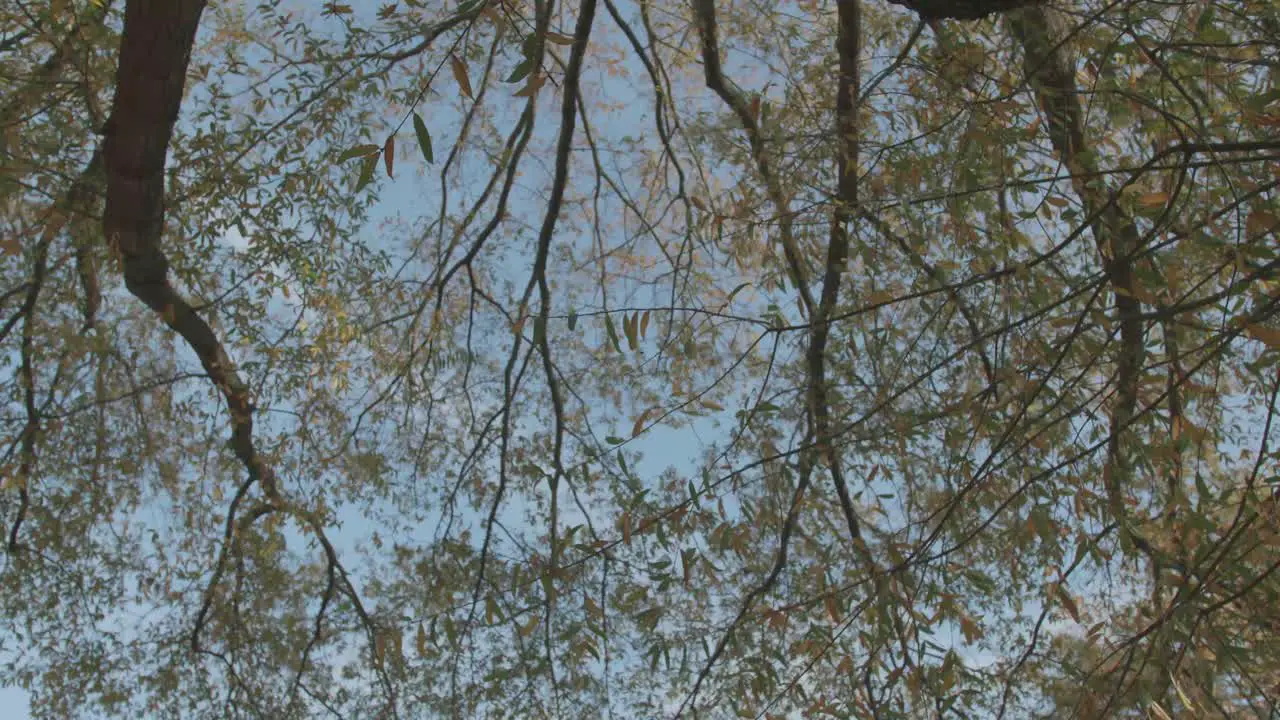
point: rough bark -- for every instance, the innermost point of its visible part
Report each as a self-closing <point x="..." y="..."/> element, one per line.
<point x="154" y="53"/>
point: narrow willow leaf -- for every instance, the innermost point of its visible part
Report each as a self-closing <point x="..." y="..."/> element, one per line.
<point x="424" y="138"/>
<point x="460" y="74"/>
<point x="366" y="171"/>
<point x="389" y="154"/>
<point x="358" y="151"/>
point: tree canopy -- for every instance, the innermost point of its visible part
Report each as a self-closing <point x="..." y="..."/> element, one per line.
<point x="863" y="358"/>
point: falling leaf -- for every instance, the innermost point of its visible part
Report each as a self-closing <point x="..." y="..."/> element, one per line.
<point x="460" y="74"/>
<point x="389" y="154"/>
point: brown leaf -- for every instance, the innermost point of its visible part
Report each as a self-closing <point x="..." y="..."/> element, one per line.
<point x="389" y="154"/>
<point x="1268" y="336"/>
<point x="640" y="421"/>
<point x="1259" y="222"/>
<point x="536" y="81"/>
<point x="1154" y="199"/>
<point x="1068" y="602"/>
<point x="833" y="607"/>
<point x="460" y="74"/>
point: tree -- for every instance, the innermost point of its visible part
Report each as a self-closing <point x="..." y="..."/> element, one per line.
<point x="868" y="359"/>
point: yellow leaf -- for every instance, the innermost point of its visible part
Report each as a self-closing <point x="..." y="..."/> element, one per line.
<point x="460" y="74"/>
<point x="527" y="629"/>
<point x="639" y="426"/>
<point x="644" y="323"/>
<point x="1155" y="199"/>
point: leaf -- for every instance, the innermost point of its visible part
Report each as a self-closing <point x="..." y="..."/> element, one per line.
<point x="1068" y="603"/>
<point x="539" y="330"/>
<point x="366" y="172"/>
<point x="629" y="323"/>
<point x="644" y="323"/>
<point x="559" y="39"/>
<point x="389" y="154"/>
<point x="527" y="629"/>
<point x="1054" y="200"/>
<point x="460" y="74"/>
<point x="832" y="605"/>
<point x="573" y="319"/>
<point x="1259" y="222"/>
<point x="421" y="641"/>
<point x="613" y="333"/>
<point x="531" y="87"/>
<point x="1153" y="199"/>
<point x="521" y="71"/>
<point x="639" y="425"/>
<point x="1268" y="336"/>
<point x="424" y="138"/>
<point x="358" y="151"/>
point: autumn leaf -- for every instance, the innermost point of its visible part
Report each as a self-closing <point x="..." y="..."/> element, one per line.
<point x="389" y="154"/>
<point x="460" y="75"/>
<point x="1268" y="336"/>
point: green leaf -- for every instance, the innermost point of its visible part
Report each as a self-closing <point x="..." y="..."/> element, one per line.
<point x="539" y="330"/>
<point x="613" y="333"/>
<point x="424" y="138"/>
<point x="366" y="172"/>
<point x="573" y="319"/>
<point x="358" y="151"/>
<point x="521" y="71"/>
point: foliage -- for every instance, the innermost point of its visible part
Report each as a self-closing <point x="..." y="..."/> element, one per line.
<point x="640" y="359"/>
